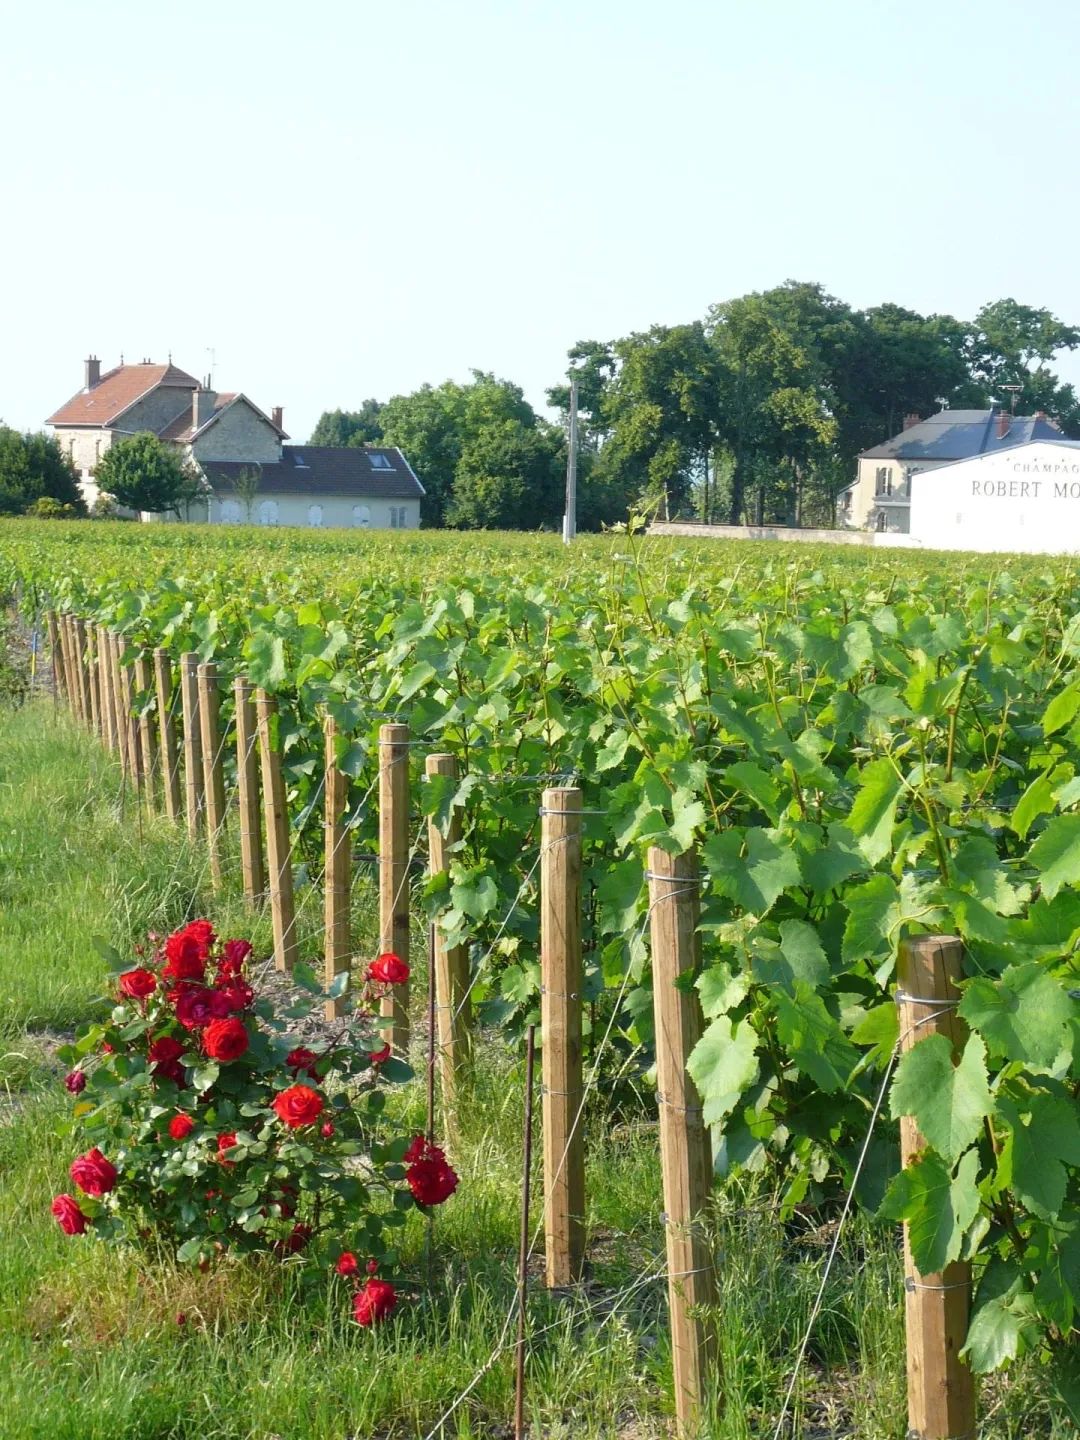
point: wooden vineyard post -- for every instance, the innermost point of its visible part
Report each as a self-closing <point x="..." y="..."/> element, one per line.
<point x="55" y="656"/>
<point x="70" y="668"/>
<point x="685" y="1151"/>
<point x="452" y="1009"/>
<point x="131" y="720"/>
<point x="144" y="683"/>
<point x="247" y="789"/>
<point x="560" y="1030"/>
<point x="194" y="792"/>
<point x="213" y="767"/>
<point x="337" y="878"/>
<point x="278" y="855"/>
<point x="170" y="760"/>
<point x="941" y="1387"/>
<point x="119" y="709"/>
<point x="394" y="873"/>
<point x="97" y="720"/>
<point x="82" y="667"/>
<point x="105" y="684"/>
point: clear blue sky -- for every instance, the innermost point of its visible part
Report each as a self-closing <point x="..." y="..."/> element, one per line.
<point x="348" y="199"/>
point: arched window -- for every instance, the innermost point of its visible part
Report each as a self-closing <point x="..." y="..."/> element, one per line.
<point x="230" y="512"/>
<point x="314" y="515"/>
<point x="361" y="516"/>
<point x="268" y="512"/>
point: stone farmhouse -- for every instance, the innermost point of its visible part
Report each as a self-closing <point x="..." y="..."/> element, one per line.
<point x="880" y="497"/>
<point x="251" y="475"/>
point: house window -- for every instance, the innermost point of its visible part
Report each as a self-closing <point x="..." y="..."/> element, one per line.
<point x="97" y="448"/>
<point x="397" y="517"/>
<point x="230" y="512"/>
<point x="393" y="517"/>
<point x="380" y="462"/>
<point x="883" y="481"/>
<point x="268" y="512"/>
<point x="881" y="520"/>
<point x="401" y="518"/>
<point x="314" y="515"/>
<point x="361" y="516"/>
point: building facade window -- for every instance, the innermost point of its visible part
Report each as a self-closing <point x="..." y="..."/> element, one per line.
<point x="883" y="481"/>
<point x="268" y="512"/>
<point x="361" y="517"/>
<point x="230" y="512"/>
<point x="314" y="515"/>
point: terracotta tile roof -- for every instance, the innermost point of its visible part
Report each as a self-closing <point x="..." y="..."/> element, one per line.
<point x="372" y="472"/>
<point x="116" y="391"/>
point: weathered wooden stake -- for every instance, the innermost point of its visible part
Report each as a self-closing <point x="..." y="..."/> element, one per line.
<point x="108" y="690"/>
<point x="131" y="720"/>
<point x="685" y="1153"/>
<point x="394" y="872"/>
<point x="278" y="854"/>
<point x="337" y="877"/>
<point x="82" y="666"/>
<point x="55" y="654"/>
<point x="247" y="788"/>
<point x="560" y="1034"/>
<point x="452" y="1008"/>
<point x="213" y="767"/>
<point x="170" y="759"/>
<point x="93" y="675"/>
<point x="941" y="1387"/>
<point x="194" y="782"/>
<point x="144" y="683"/>
<point x="119" y="708"/>
<point x="71" y="669"/>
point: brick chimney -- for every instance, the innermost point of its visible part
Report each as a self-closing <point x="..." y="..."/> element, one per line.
<point x="93" y="371"/>
<point x="275" y="416"/>
<point x="202" y="407"/>
<point x="1002" y="424"/>
<point x="912" y="419"/>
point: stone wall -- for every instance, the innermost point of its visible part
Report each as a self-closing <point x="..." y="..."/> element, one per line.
<point x="868" y="539"/>
<point x="239" y="434"/>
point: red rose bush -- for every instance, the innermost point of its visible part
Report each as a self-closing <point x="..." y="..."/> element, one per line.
<point x="205" y="1124"/>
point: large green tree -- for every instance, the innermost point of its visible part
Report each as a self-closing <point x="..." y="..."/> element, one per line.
<point x="350" y="427"/>
<point x="33" y="467"/>
<point x="142" y="472"/>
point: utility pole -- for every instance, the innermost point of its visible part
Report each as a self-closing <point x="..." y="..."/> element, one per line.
<point x="570" y="518"/>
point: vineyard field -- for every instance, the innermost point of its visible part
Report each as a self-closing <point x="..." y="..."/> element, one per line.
<point x="859" y="747"/>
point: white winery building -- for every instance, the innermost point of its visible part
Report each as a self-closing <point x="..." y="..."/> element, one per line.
<point x="1026" y="498"/>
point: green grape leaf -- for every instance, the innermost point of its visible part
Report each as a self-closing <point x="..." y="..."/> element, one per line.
<point x="938" y="1208"/>
<point x="759" y="786"/>
<point x="756" y="878"/>
<point x="1037" y="799"/>
<point x="1001" y="1330"/>
<point x="1024" y="1016"/>
<point x="723" y="1064"/>
<point x="1061" y="710"/>
<point x="874" y="809"/>
<point x="949" y="1102"/>
<point x="833" y="863"/>
<point x="1043" y="1138"/>
<point x="813" y="1039"/>
<point x="1056" y="854"/>
<point x="721" y="989"/>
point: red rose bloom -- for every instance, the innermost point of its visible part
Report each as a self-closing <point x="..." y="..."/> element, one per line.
<point x="165" y="1049"/>
<point x="347" y="1263"/>
<point x="226" y="1141"/>
<point x="297" y="1106"/>
<point x="196" y="1006"/>
<point x="225" y="1040"/>
<point x="296" y="1239"/>
<point x="236" y="952"/>
<point x="69" y="1217"/>
<point x="93" y="1174"/>
<point x="180" y="1126"/>
<point x="185" y="958"/>
<point x="237" y="994"/>
<point x="75" y="1082"/>
<point x="137" y="984"/>
<point x="326" y="1130"/>
<point x="429" y="1177"/>
<point x="171" y="1070"/>
<point x="372" y="1267"/>
<point x="303" y="1059"/>
<point x="203" y="933"/>
<point x="388" y="969"/>
<point x="374" y="1301"/>
<point x="379" y="1057"/>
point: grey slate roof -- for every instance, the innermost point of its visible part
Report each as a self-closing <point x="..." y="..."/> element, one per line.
<point x="324" y="470"/>
<point x="960" y="434"/>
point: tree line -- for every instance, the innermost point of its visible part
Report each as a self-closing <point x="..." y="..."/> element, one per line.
<point x="755" y="413"/>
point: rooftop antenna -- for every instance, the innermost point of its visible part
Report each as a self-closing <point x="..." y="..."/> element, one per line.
<point x="1015" y="391"/>
<point x="213" y="364"/>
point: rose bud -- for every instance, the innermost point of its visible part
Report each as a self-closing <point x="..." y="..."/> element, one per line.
<point x="75" y="1082"/>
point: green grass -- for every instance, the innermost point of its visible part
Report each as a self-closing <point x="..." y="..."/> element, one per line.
<point x="90" y="1344"/>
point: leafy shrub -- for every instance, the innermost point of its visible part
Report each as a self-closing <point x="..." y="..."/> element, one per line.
<point x="211" y="1130"/>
